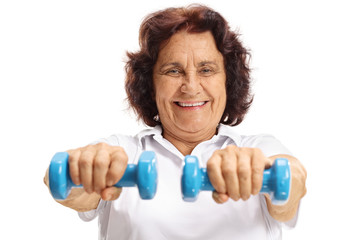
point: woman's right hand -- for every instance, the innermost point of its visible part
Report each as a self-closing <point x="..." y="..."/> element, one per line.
<point x="98" y="167"/>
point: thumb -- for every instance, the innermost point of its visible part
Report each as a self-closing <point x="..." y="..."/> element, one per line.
<point x="110" y="193"/>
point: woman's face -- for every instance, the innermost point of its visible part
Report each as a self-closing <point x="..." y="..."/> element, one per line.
<point x="189" y="79"/>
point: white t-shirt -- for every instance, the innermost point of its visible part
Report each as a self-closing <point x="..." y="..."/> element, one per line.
<point x="167" y="216"/>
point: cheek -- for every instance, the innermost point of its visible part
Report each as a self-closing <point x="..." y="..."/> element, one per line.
<point x="218" y="90"/>
<point x="164" y="92"/>
<point x="165" y="88"/>
<point x="221" y="98"/>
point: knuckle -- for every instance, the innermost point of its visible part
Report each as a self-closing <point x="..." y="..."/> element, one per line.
<point x="84" y="164"/>
<point x="100" y="163"/>
<point x="118" y="154"/>
<point x="85" y="161"/>
<point x="101" y="159"/>
<point x="211" y="164"/>
<point x="304" y="191"/>
<point x="214" y="163"/>
<point x="304" y="172"/>
<point x="232" y="148"/>
<point x="71" y="152"/>
<point x="257" y="170"/>
<point x="72" y="160"/>
<point x="244" y="178"/>
<point x="242" y="153"/>
<point x="228" y="170"/>
<point x="218" y="152"/>
<point x="243" y="171"/>
<point x="243" y="150"/>
<point x="119" y="149"/>
<point x="257" y="151"/>
<point x="102" y="145"/>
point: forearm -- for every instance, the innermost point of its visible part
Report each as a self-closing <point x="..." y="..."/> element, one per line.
<point x="78" y="199"/>
<point x="287" y="211"/>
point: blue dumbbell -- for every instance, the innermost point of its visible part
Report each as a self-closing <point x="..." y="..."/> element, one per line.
<point x="276" y="180"/>
<point x="144" y="175"/>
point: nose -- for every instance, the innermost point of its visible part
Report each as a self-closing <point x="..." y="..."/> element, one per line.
<point x="191" y="85"/>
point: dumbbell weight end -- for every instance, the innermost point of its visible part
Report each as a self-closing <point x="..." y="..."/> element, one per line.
<point x="144" y="174"/>
<point x="276" y="180"/>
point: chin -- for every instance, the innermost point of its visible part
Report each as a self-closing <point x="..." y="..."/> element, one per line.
<point x="195" y="127"/>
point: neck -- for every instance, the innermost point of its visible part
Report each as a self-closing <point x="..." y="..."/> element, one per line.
<point x="186" y="142"/>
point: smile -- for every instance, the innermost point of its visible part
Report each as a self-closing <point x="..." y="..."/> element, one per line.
<point x="190" y="104"/>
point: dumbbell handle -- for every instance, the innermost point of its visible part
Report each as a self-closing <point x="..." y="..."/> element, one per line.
<point x="207" y="186"/>
<point x="127" y="180"/>
<point x="276" y="180"/>
<point x="144" y="175"/>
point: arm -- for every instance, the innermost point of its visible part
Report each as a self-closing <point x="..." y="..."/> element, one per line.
<point x="237" y="173"/>
<point x="97" y="167"/>
<point x="287" y="211"/>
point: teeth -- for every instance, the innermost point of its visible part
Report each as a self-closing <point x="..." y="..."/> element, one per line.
<point x="191" y="104"/>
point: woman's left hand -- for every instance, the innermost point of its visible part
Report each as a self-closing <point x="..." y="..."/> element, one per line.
<point x="236" y="173"/>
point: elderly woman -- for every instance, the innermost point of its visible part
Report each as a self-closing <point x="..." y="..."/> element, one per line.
<point x="190" y="82"/>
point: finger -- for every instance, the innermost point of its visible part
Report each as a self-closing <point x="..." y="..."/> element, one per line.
<point x="111" y="193"/>
<point x="268" y="162"/>
<point x="86" y="169"/>
<point x="118" y="164"/>
<point x="229" y="172"/>
<point x="215" y="174"/>
<point x="259" y="163"/>
<point x="101" y="165"/>
<point x="244" y="174"/>
<point x="74" y="156"/>
<point x="220" y="197"/>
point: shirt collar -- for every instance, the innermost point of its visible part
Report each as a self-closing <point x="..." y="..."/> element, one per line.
<point x="223" y="130"/>
<point x="157" y="130"/>
<point x="230" y="132"/>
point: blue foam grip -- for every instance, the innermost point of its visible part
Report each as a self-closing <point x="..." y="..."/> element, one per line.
<point x="144" y="175"/>
<point x="276" y="180"/>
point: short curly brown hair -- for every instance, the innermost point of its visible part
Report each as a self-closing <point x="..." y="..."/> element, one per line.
<point x="159" y="27"/>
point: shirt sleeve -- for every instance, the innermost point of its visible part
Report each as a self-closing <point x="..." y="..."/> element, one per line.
<point x="269" y="145"/>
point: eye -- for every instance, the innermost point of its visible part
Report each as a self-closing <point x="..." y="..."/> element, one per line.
<point x="173" y="72"/>
<point x="206" y="71"/>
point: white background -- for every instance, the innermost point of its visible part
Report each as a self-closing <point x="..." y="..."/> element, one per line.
<point x="61" y="87"/>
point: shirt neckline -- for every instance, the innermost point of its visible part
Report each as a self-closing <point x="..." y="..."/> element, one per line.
<point x="223" y="130"/>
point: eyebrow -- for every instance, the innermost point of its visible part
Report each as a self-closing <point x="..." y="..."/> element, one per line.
<point x="203" y="63"/>
<point x="177" y="64"/>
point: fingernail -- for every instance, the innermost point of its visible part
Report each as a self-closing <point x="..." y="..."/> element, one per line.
<point x="108" y="197"/>
<point x="217" y="197"/>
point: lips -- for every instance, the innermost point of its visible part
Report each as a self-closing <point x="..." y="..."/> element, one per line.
<point x="191" y="104"/>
